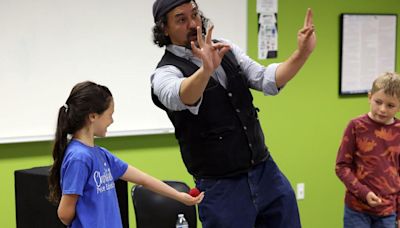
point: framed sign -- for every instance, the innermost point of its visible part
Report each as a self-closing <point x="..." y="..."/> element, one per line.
<point x="368" y="49"/>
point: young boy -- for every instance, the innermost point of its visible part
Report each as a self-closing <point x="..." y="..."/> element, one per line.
<point x="368" y="159"/>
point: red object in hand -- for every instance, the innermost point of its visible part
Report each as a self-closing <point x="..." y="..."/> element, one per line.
<point x="194" y="192"/>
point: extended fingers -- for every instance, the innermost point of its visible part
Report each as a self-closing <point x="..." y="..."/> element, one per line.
<point x="195" y="49"/>
<point x="209" y="34"/>
<point x="220" y="45"/>
<point x="308" y="31"/>
<point x="199" y="37"/>
<point x="221" y="48"/>
<point x="308" y="20"/>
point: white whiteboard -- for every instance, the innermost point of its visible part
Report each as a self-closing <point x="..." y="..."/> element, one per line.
<point x="47" y="46"/>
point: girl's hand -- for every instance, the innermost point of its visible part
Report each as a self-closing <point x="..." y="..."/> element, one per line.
<point x="190" y="200"/>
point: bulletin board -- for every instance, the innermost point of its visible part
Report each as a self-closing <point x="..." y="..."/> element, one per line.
<point x="368" y="49"/>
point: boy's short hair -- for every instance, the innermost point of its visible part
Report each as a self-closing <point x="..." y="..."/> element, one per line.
<point x="389" y="82"/>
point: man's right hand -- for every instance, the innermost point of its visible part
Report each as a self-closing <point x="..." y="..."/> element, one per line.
<point x="210" y="53"/>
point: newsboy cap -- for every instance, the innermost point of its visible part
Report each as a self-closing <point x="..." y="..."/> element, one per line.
<point x="162" y="7"/>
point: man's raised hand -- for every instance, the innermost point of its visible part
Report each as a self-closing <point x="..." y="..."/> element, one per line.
<point x="209" y="52"/>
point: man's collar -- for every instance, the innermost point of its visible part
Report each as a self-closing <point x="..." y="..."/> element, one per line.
<point x="180" y="51"/>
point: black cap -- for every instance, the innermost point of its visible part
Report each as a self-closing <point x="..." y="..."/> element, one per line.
<point x="162" y="7"/>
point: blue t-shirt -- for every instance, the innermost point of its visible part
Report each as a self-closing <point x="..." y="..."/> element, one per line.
<point x="90" y="172"/>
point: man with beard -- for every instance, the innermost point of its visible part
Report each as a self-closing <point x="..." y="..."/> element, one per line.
<point x="203" y="85"/>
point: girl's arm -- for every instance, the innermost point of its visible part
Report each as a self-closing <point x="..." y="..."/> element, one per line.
<point x="134" y="175"/>
<point x="66" y="208"/>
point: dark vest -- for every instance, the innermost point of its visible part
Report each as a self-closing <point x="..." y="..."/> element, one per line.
<point x="225" y="138"/>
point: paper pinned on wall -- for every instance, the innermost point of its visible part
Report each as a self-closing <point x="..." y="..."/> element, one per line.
<point x="267" y="28"/>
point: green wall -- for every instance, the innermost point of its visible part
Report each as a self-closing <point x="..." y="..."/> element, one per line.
<point x="303" y="125"/>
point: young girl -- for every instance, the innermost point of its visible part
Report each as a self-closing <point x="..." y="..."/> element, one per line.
<point x="82" y="176"/>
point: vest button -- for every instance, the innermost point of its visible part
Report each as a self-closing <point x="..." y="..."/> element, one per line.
<point x="237" y="110"/>
<point x="220" y="138"/>
<point x="244" y="127"/>
<point x="250" y="145"/>
<point x="230" y="94"/>
<point x="252" y="161"/>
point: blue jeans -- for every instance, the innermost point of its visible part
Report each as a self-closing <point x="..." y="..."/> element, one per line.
<point x="355" y="219"/>
<point x="261" y="198"/>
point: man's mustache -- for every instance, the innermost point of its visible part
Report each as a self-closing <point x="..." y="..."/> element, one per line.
<point x="192" y="32"/>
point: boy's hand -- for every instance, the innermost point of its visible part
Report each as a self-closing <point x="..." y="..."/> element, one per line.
<point x="373" y="200"/>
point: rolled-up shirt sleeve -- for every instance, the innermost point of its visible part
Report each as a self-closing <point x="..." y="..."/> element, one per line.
<point x="166" y="82"/>
<point x="263" y="78"/>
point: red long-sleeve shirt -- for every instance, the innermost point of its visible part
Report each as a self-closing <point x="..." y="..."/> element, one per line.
<point x="368" y="160"/>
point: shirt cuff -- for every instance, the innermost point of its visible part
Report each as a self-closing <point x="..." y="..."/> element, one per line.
<point x="363" y="193"/>
<point x="195" y="109"/>
<point x="269" y="82"/>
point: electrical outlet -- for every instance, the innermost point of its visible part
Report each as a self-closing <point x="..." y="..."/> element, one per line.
<point x="300" y="191"/>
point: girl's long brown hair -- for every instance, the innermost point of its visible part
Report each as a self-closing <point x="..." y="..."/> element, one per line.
<point x="85" y="98"/>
